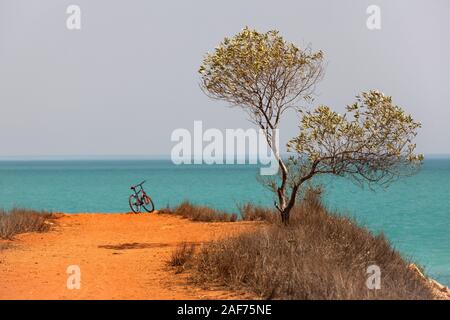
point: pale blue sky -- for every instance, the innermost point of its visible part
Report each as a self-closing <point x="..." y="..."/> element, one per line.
<point x="128" y="78"/>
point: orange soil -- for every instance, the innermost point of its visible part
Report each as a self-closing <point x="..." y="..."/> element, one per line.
<point x="121" y="256"/>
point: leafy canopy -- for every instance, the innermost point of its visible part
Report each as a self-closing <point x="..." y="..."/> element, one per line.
<point x="260" y="72"/>
<point x="372" y="141"/>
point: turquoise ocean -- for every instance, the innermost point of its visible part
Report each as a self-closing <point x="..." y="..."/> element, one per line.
<point x="414" y="212"/>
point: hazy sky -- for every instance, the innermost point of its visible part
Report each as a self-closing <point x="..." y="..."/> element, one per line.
<point x="128" y="78"/>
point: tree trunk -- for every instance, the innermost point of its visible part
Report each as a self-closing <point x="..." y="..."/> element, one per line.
<point x="284" y="205"/>
<point x="281" y="192"/>
<point x="286" y="212"/>
<point x="285" y="217"/>
<point x="272" y="140"/>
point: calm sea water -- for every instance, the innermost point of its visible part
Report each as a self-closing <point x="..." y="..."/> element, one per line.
<point x="414" y="212"/>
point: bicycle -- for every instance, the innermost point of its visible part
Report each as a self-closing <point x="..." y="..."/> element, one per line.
<point x="140" y="199"/>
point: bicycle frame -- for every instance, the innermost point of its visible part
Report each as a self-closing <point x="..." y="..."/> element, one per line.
<point x="139" y="193"/>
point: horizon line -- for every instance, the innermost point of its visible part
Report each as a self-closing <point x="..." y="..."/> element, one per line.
<point x="129" y="157"/>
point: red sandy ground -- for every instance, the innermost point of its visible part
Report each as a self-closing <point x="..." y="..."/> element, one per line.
<point x="121" y="256"/>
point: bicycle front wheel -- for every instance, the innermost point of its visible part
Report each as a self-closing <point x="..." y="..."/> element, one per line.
<point x="147" y="204"/>
<point x="135" y="204"/>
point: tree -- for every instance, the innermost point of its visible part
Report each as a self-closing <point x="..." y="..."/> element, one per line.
<point x="265" y="75"/>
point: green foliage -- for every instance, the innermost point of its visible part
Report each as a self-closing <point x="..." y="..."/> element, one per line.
<point x="372" y="141"/>
<point x="260" y="71"/>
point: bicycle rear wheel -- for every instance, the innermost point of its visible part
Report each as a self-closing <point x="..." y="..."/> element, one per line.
<point x="147" y="204"/>
<point x="135" y="204"/>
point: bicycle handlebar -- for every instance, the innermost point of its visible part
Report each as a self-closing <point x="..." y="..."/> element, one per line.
<point x="138" y="185"/>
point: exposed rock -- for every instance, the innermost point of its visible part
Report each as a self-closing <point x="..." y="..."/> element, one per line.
<point x="438" y="285"/>
<point x="441" y="291"/>
<point x="416" y="269"/>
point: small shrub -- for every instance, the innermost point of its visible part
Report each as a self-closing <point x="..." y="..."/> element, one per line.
<point x="250" y="212"/>
<point x="181" y="255"/>
<point x="18" y="221"/>
<point x="201" y="213"/>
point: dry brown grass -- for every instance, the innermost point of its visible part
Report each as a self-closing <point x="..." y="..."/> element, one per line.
<point x="250" y="212"/>
<point x="318" y="256"/>
<point x="18" y="220"/>
<point x="201" y="213"/>
<point x="181" y="255"/>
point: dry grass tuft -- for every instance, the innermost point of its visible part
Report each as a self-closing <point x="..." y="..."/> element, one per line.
<point x="250" y="212"/>
<point x="182" y="254"/>
<point x="18" y="220"/>
<point x="201" y="213"/>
